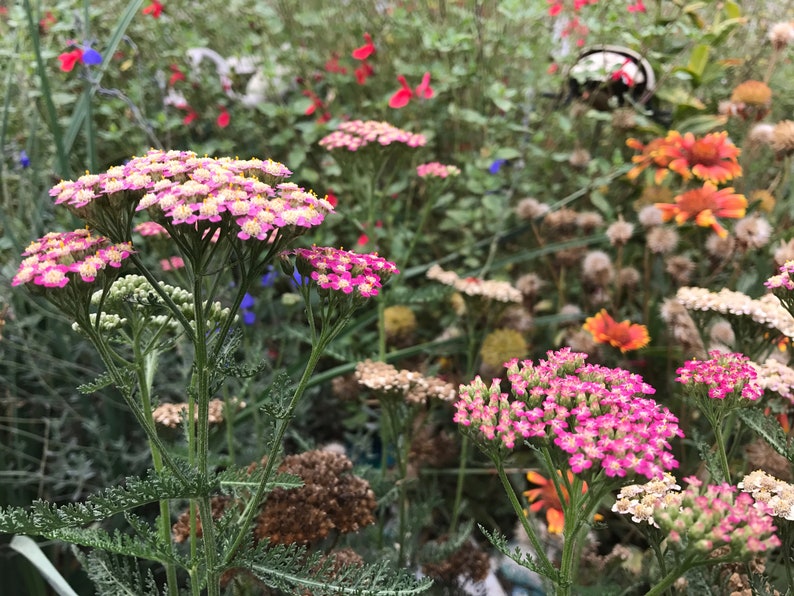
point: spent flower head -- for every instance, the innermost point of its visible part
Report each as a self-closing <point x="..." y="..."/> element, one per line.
<point x="595" y="416"/>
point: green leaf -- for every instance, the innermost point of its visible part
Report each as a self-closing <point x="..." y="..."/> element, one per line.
<point x="31" y="551"/>
<point x="769" y="429"/>
<point x="698" y="60"/>
<point x="701" y="123"/>
<point x="733" y="10"/>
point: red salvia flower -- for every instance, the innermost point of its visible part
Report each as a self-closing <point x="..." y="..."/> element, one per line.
<point x="46" y="22"/>
<point x="401" y="97"/>
<point x="155" y="9"/>
<point x="363" y="72"/>
<point x="176" y="75"/>
<point x="332" y="65"/>
<point x="69" y="59"/>
<point x="366" y="50"/>
<point x="223" y="118"/>
<point x="191" y="115"/>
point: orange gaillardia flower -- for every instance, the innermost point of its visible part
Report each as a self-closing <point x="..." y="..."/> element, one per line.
<point x="649" y="156"/>
<point x="712" y="158"/>
<point x="705" y="204"/>
<point x="546" y="497"/>
<point x="625" y="336"/>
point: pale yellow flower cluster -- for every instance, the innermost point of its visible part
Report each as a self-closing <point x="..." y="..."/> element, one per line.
<point x="776" y="376"/>
<point x="767" y="310"/>
<point x="642" y="500"/>
<point x="775" y="494"/>
<point x="415" y="387"/>
<point x="171" y="415"/>
<point x="501" y="291"/>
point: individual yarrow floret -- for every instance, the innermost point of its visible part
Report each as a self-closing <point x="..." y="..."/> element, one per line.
<point x="596" y="416"/>
<point x="344" y="271"/>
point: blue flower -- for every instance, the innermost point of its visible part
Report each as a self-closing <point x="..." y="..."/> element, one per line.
<point x="249" y="316"/>
<point x="90" y="56"/>
<point x="24" y="160"/>
<point x="269" y="278"/>
<point x="497" y="165"/>
<point x="248" y="301"/>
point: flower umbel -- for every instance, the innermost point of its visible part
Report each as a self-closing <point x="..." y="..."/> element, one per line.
<point x="624" y="335"/>
<point x="344" y="271"/>
<point x="724" y="376"/>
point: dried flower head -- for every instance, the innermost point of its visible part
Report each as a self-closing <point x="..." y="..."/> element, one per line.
<point x="628" y="277"/>
<point x="469" y="563"/>
<point x="752" y="232"/>
<point x="579" y="158"/>
<point x="721" y="332"/>
<point x="589" y="221"/>
<point x="385" y="380"/>
<point x="662" y="240"/>
<point x="783" y="138"/>
<point x="620" y="232"/>
<point x="399" y="322"/>
<point x="682" y="328"/>
<point x="761" y="134"/>
<point x="784" y="252"/>
<point x="331" y="499"/>
<point x="680" y="269"/>
<point x="624" y="119"/>
<point x="781" y="35"/>
<point x="562" y="221"/>
<point x="650" y="216"/>
<point x="530" y="285"/>
<point x="530" y="208"/>
<point x="597" y="268"/>
<point x="720" y="248"/>
<point x="752" y="93"/>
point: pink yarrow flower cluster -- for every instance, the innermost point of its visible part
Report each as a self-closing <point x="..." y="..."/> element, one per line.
<point x="707" y="518"/>
<point x="435" y="169"/>
<point x="782" y="280"/>
<point x="344" y="271"/>
<point x="179" y="188"/>
<point x="595" y="415"/>
<point x="355" y="134"/>
<point x="724" y="376"/>
<point x="53" y="260"/>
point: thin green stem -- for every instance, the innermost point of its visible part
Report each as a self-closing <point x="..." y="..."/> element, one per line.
<point x="546" y="567"/>
<point x="720" y="441"/>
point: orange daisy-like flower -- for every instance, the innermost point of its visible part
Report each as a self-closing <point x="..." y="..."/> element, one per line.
<point x="625" y="336"/>
<point x="546" y="497"/>
<point x="705" y="205"/>
<point x="649" y="156"/>
<point x="712" y="158"/>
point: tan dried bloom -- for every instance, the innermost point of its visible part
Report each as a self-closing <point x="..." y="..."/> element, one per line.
<point x="765" y="199"/>
<point x="722" y="333"/>
<point x="432" y="447"/>
<point x="580" y="340"/>
<point x="579" y="158"/>
<point x="530" y="208"/>
<point x="597" y="268"/>
<point x="654" y="194"/>
<point x="628" y="277"/>
<point x="761" y="134"/>
<point x="345" y="387"/>
<point x="500" y="291"/>
<point x="498" y="347"/>
<point x="784" y="252"/>
<point x="331" y="499"/>
<point x="781" y="34"/>
<point x="752" y="93"/>
<point x="468" y="563"/>
<point x="752" y="232"/>
<point x="650" y="216"/>
<point x="624" y="119"/>
<point x="761" y="455"/>
<point x="562" y="221"/>
<point x="783" y="137"/>
<point x="662" y="240"/>
<point x="516" y="317"/>
<point x="412" y="386"/>
<point x="399" y="323"/>
<point x="619" y="233"/>
<point x="682" y="328"/>
<point x="171" y="415"/>
<point x="570" y="257"/>
<point x="589" y="221"/>
<point x="720" y="249"/>
<point x="680" y="269"/>
<point x="530" y="285"/>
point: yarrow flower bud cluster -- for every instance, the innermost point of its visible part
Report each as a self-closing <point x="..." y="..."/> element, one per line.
<point x="55" y="259"/>
<point x="772" y="496"/>
<point x="344" y="271"/>
<point x="707" y="518"/>
<point x="134" y="295"/>
<point x="501" y="291"/>
<point x="355" y="134"/>
<point x="641" y="501"/>
<point x="596" y="416"/>
<point x="725" y="376"/>
<point x="435" y="169"/>
<point x="414" y="387"/>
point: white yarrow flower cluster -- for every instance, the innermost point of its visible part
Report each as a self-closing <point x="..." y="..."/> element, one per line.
<point x="771" y="494"/>
<point x="642" y="500"/>
<point x="501" y="291"/>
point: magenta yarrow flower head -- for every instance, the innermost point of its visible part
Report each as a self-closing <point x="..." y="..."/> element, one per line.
<point x="337" y="270"/>
<point x="595" y="417"/>
<point x="701" y="519"/>
<point x="435" y="169"/>
<point x="355" y="134"/>
<point x="724" y="376"/>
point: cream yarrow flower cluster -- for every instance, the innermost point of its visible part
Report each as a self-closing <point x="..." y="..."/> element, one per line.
<point x="771" y="495"/>
<point x="500" y="291"/>
<point x="413" y="386"/>
<point x="641" y="501"/>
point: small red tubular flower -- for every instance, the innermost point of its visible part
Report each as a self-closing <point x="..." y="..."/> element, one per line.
<point x="332" y="65"/>
<point x="424" y="89"/>
<point x="363" y="72"/>
<point x="191" y="115"/>
<point x="155" y="9"/>
<point x="401" y="98"/>
<point x="366" y="50"/>
<point x="69" y="59"/>
<point x="638" y="6"/>
<point x="223" y="118"/>
<point x="176" y="75"/>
